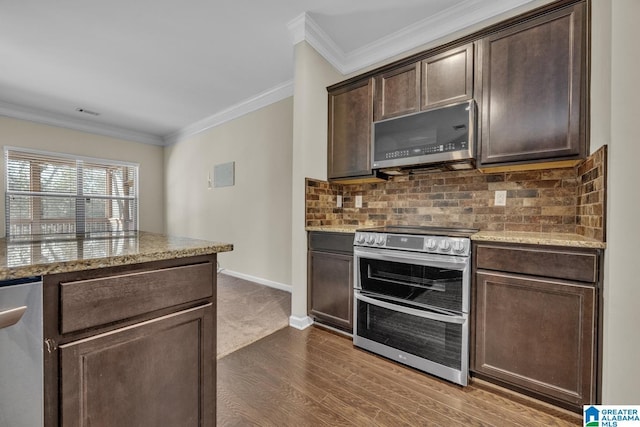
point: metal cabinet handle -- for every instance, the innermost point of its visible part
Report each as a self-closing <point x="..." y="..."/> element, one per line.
<point x="11" y="317"/>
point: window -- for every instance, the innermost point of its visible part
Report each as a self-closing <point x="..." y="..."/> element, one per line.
<point x="57" y="194"/>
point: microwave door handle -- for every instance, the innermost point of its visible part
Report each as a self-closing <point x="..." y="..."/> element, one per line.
<point x="412" y="311"/>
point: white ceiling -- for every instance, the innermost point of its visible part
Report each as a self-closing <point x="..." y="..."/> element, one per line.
<point x="156" y="70"/>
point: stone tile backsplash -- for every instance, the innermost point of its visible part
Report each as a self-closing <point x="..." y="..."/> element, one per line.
<point x="590" y="217"/>
<point x="568" y="200"/>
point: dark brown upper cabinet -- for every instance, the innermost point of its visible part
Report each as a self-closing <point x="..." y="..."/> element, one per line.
<point x="534" y="94"/>
<point x="437" y="80"/>
<point x="447" y="77"/>
<point x="397" y="92"/>
<point x="350" y="118"/>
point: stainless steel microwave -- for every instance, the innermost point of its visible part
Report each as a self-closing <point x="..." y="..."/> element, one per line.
<point x="440" y="135"/>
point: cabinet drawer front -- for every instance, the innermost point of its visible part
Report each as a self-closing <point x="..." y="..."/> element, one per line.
<point x="89" y="303"/>
<point x="331" y="242"/>
<point x="555" y="263"/>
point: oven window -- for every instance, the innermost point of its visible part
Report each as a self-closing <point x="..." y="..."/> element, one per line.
<point x="437" y="341"/>
<point x="418" y="284"/>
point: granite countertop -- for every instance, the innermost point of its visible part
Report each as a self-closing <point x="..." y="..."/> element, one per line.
<point x="335" y="228"/>
<point x="551" y="239"/>
<point x="25" y="259"/>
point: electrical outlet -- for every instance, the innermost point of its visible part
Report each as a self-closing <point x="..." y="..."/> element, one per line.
<point x="339" y="201"/>
<point x="359" y="201"/>
<point x="500" y="198"/>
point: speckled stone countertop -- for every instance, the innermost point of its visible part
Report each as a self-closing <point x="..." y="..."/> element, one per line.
<point x="335" y="228"/>
<point x="551" y="239"/>
<point x="25" y="259"/>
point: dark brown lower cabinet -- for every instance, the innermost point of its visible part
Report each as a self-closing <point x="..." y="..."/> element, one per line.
<point x="151" y="373"/>
<point x="330" y="279"/>
<point x="538" y="335"/>
<point x="147" y="356"/>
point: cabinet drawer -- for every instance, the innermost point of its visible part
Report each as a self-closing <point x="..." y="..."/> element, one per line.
<point x="547" y="262"/>
<point x="89" y="303"/>
<point x="331" y="242"/>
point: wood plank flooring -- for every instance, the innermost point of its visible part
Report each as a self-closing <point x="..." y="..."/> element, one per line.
<point x="317" y="378"/>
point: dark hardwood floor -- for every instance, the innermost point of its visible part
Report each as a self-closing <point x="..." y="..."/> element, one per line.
<point x="317" y="378"/>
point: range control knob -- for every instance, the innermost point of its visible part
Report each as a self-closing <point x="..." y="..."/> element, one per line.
<point x="444" y="246"/>
<point x="371" y="238"/>
<point x="458" y="247"/>
<point x="431" y="245"/>
<point x="380" y="240"/>
<point x="360" y="238"/>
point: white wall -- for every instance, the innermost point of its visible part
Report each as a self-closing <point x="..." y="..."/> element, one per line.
<point x="312" y="75"/>
<point x="20" y="133"/>
<point x="255" y="213"/>
<point x="621" y="369"/>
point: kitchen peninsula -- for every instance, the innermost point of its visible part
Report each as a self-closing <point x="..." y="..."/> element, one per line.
<point x="129" y="327"/>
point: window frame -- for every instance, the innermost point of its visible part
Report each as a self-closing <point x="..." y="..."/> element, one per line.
<point x="80" y="219"/>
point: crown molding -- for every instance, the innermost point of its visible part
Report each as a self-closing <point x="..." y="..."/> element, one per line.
<point x="275" y="94"/>
<point x="304" y="28"/>
<point x="430" y="29"/>
<point x="60" y="120"/>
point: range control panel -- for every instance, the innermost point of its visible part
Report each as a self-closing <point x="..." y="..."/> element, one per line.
<point x="459" y="246"/>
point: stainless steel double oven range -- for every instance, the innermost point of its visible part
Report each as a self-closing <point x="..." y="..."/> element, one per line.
<point x="412" y="292"/>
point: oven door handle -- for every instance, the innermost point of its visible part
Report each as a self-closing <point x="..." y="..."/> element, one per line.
<point x="448" y="262"/>
<point x="412" y="311"/>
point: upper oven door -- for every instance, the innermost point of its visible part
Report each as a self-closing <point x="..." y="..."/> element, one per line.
<point x="432" y="281"/>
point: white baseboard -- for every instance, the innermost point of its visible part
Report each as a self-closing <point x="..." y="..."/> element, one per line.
<point x="300" y="322"/>
<point x="270" y="283"/>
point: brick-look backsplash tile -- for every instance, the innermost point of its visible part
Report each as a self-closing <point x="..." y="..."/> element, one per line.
<point x="592" y="178"/>
<point x="568" y="200"/>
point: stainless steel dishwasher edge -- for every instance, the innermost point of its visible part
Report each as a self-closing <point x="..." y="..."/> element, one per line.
<point x="21" y="353"/>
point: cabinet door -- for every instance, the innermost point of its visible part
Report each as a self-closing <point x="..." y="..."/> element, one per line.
<point x="537" y="334"/>
<point x="447" y="77"/>
<point x="397" y="92"/>
<point x="331" y="288"/>
<point x="534" y="98"/>
<point x="350" y="118"/>
<point x="159" y="372"/>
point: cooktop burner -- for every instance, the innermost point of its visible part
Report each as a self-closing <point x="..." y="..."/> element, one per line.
<point x="422" y="230"/>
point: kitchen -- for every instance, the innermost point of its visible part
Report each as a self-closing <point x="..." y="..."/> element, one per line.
<point x="273" y="237"/>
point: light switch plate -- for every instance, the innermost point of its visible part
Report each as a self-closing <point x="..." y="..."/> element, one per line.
<point x="359" y="201"/>
<point x="339" y="201"/>
<point x="500" y="198"/>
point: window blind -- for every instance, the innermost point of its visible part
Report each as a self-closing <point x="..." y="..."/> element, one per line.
<point x="59" y="194"/>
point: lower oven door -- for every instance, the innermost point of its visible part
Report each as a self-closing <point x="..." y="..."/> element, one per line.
<point x="432" y="342"/>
